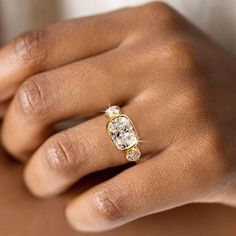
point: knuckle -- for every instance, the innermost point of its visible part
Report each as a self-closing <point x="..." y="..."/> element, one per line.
<point x="109" y="204"/>
<point x="160" y="10"/>
<point x="64" y="156"/>
<point x="210" y="146"/>
<point x="214" y="142"/>
<point x="180" y="55"/>
<point x="31" y="47"/>
<point x="32" y="100"/>
<point x="156" y="7"/>
<point x="191" y="101"/>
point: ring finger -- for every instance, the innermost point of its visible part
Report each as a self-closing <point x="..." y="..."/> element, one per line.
<point x="80" y="150"/>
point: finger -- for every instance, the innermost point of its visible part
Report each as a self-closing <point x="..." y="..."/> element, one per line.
<point x="56" y="45"/>
<point x="79" y="89"/>
<point x="168" y="180"/>
<point x="81" y="150"/>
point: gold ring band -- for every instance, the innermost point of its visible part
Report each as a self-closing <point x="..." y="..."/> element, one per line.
<point x="122" y="133"/>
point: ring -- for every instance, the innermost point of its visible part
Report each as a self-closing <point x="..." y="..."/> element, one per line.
<point x="122" y="133"/>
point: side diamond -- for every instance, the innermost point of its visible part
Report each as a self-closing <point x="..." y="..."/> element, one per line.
<point x="112" y="111"/>
<point x="133" y="154"/>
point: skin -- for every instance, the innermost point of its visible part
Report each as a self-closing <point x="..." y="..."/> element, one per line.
<point x="45" y="217"/>
<point x="176" y="85"/>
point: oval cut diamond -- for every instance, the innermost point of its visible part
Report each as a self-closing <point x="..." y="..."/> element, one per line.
<point x="122" y="132"/>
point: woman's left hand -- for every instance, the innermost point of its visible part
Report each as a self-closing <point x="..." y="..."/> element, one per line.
<point x="176" y="85"/>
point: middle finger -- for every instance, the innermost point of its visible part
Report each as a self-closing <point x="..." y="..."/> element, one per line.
<point x="67" y="156"/>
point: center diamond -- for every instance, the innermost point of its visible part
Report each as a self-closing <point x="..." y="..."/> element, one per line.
<point x="122" y="132"/>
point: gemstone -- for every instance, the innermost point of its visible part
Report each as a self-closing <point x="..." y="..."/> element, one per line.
<point x="112" y="111"/>
<point x="122" y="132"/>
<point x="133" y="154"/>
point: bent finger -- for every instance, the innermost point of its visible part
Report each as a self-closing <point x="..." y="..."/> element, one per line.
<point x="168" y="180"/>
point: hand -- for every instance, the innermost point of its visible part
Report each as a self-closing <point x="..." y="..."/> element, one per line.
<point x="176" y="85"/>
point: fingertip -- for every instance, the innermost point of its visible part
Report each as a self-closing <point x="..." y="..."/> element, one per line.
<point x="71" y="216"/>
<point x="82" y="217"/>
<point x="32" y="182"/>
<point x="37" y="179"/>
<point x="74" y="217"/>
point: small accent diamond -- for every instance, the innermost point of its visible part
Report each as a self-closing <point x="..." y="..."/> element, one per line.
<point x="112" y="111"/>
<point x="133" y="154"/>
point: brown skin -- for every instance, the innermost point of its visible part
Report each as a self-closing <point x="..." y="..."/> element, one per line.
<point x="21" y="214"/>
<point x="177" y="86"/>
